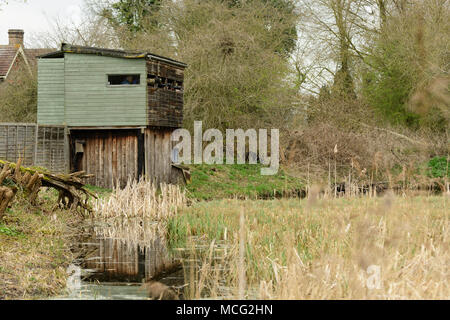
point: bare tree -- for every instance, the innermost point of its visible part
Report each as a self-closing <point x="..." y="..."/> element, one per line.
<point x="91" y="30"/>
<point x="336" y="28"/>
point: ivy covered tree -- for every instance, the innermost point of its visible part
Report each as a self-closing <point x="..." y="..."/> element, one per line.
<point x="135" y="15"/>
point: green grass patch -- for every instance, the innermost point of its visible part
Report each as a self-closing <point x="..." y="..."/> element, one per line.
<point x="438" y="167"/>
<point x="245" y="181"/>
<point x="10" y="231"/>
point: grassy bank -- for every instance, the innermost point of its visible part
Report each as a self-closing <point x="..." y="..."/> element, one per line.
<point x="322" y="249"/>
<point x="211" y="182"/>
<point x="35" y="248"/>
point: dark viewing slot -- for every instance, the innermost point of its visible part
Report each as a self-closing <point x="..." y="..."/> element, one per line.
<point x="124" y="79"/>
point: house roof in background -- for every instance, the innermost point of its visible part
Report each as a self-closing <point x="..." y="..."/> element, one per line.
<point x="9" y="53"/>
<point x="7" y="57"/>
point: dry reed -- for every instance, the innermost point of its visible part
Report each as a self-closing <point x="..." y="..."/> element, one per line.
<point x="394" y="247"/>
<point x="141" y="199"/>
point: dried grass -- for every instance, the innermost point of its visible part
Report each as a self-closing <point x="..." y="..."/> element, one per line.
<point x="141" y="199"/>
<point x="329" y="249"/>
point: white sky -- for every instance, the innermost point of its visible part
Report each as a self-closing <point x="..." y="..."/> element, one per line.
<point x="33" y="16"/>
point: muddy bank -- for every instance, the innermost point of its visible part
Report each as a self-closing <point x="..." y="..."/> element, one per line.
<point x="35" y="250"/>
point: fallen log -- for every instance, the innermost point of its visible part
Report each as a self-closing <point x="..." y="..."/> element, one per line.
<point x="73" y="194"/>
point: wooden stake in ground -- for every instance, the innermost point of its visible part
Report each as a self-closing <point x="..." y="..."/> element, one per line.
<point x="6" y="197"/>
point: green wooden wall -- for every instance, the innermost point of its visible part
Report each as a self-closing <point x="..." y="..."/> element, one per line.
<point x="74" y="91"/>
<point x="50" y="91"/>
<point x="90" y="101"/>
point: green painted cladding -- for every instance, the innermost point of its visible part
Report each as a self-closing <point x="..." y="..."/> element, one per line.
<point x="50" y="91"/>
<point x="74" y="91"/>
<point x="90" y="101"/>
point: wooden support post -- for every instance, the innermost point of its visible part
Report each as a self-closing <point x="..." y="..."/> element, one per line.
<point x="7" y="142"/>
<point x="141" y="154"/>
<point x="66" y="150"/>
<point x="36" y="133"/>
<point x="16" y="144"/>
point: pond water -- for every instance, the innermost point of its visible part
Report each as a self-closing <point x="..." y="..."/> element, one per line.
<point x="115" y="258"/>
<point x="105" y="291"/>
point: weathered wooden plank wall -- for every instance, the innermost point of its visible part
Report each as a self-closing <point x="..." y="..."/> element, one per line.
<point x="165" y="100"/>
<point x="111" y="155"/>
<point x="43" y="146"/>
<point x="158" y="148"/>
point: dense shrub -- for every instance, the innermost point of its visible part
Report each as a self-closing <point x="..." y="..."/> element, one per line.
<point x="438" y="167"/>
<point x="405" y="77"/>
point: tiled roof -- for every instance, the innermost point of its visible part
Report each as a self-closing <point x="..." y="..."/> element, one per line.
<point x="7" y="54"/>
<point x="33" y="53"/>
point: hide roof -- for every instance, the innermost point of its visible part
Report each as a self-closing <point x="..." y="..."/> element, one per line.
<point x="68" y="48"/>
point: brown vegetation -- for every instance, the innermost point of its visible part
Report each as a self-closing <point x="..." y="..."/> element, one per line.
<point x="18" y="96"/>
<point x="321" y="248"/>
<point x="348" y="135"/>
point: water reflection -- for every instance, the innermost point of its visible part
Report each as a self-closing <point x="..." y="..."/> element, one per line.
<point x="127" y="251"/>
<point x="116" y="256"/>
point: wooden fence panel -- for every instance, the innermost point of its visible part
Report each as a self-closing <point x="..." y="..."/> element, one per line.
<point x="37" y="145"/>
<point x="17" y="140"/>
<point x="158" y="148"/>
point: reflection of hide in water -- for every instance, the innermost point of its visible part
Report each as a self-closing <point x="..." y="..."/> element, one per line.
<point x="118" y="260"/>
